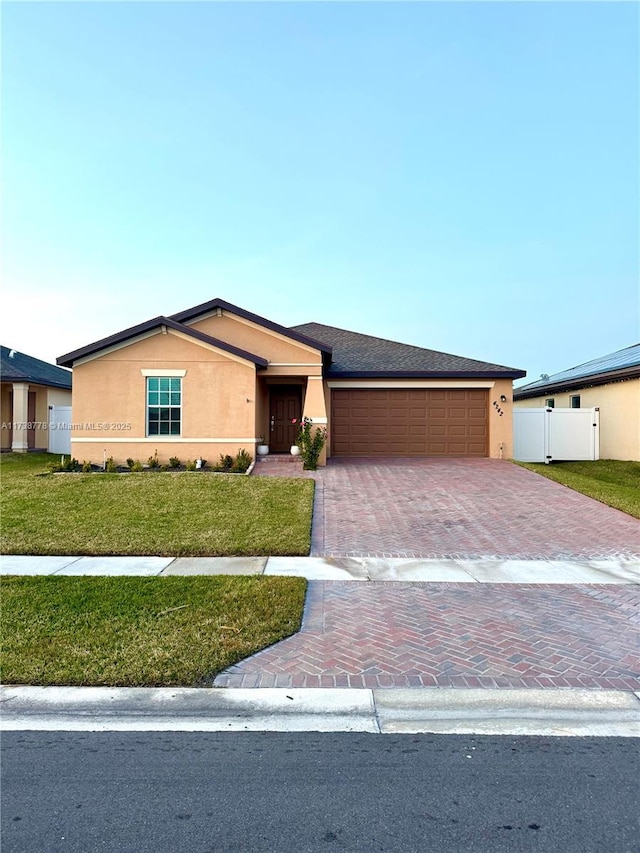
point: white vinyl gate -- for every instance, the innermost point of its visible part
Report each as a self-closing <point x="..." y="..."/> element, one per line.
<point x="554" y="435"/>
<point x="60" y="429"/>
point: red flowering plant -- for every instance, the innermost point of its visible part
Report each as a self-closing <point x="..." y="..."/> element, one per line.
<point x="310" y="445"/>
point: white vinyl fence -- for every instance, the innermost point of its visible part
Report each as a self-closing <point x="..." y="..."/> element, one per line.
<point x="555" y="435"/>
<point x="60" y="430"/>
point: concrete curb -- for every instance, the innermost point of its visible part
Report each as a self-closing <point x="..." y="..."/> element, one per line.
<point x="435" y="710"/>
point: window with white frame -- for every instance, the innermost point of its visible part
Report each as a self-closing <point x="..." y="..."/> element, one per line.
<point x="550" y="403"/>
<point x="164" y="405"/>
<point x="574" y="401"/>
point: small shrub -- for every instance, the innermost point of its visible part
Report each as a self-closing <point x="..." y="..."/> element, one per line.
<point x="65" y="464"/>
<point x="191" y="465"/>
<point x="130" y="462"/>
<point x="136" y="465"/>
<point x="242" y="461"/>
<point x="311" y="445"/>
<point x="111" y="467"/>
<point x="153" y="461"/>
<point x="226" y="462"/>
<point x="86" y="467"/>
<point x="174" y="462"/>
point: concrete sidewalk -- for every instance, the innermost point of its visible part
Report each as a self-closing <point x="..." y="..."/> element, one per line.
<point x="461" y="621"/>
<point x="621" y="570"/>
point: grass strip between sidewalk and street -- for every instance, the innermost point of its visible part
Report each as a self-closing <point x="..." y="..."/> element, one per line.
<point x="152" y="513"/>
<point x="610" y="481"/>
<point x="137" y="632"/>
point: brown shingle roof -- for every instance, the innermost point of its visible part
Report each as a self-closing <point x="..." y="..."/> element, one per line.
<point x="358" y="355"/>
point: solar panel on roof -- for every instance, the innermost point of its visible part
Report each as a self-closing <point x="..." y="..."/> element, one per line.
<point x="627" y="357"/>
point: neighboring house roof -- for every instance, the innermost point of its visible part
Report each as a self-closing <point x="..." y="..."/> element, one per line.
<point x="616" y="366"/>
<point x="213" y="304"/>
<point x="356" y="355"/>
<point x="150" y="325"/>
<point x="18" y="367"/>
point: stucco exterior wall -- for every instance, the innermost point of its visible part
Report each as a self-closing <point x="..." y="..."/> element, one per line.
<point x="6" y="415"/>
<point x="500" y="427"/>
<point x="619" y="404"/>
<point x="42" y="417"/>
<point x="314" y="407"/>
<point x="109" y="392"/>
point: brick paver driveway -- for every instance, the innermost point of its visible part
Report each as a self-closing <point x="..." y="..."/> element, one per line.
<point x="460" y="508"/>
<point x="394" y="634"/>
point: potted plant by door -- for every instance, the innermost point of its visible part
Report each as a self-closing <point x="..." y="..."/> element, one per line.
<point x="263" y="449"/>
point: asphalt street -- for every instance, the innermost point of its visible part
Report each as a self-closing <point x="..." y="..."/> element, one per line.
<point x="217" y="792"/>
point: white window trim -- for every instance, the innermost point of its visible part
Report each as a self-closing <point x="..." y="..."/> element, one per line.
<point x="147" y="407"/>
<point x="152" y="371"/>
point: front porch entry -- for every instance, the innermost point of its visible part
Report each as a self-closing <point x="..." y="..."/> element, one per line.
<point x="285" y="411"/>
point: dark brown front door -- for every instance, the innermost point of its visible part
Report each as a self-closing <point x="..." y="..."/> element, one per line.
<point x="285" y="408"/>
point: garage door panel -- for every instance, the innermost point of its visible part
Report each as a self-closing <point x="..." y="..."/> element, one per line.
<point x="436" y="448"/>
<point x="477" y="448"/>
<point x="436" y="413"/>
<point x="415" y="422"/>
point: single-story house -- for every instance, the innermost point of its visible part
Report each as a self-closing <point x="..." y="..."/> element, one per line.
<point x="216" y="378"/>
<point x="610" y="383"/>
<point x="29" y="389"/>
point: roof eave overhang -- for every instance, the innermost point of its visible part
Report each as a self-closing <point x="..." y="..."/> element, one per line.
<point x="425" y="374"/>
<point x="574" y="384"/>
<point x="33" y="380"/>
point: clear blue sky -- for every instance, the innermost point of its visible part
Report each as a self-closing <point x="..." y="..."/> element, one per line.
<point x="460" y="176"/>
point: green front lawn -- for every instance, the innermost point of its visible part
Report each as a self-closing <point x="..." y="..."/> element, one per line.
<point x="185" y="514"/>
<point x="140" y="631"/>
<point x="610" y="481"/>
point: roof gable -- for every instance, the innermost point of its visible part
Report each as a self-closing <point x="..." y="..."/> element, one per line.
<point x="208" y="307"/>
<point x="24" y="368"/>
<point x="358" y="355"/>
<point x="121" y="338"/>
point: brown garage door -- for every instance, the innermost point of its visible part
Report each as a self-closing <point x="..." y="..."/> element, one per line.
<point x="412" y="422"/>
